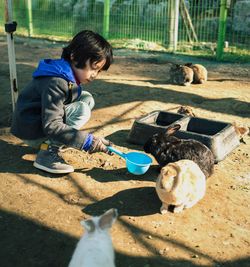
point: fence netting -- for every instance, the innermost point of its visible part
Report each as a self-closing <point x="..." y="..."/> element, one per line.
<point x="141" y="24"/>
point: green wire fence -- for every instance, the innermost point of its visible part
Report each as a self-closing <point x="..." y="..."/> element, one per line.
<point x="215" y="28"/>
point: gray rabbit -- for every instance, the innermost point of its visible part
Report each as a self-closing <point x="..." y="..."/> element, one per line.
<point x="181" y="75"/>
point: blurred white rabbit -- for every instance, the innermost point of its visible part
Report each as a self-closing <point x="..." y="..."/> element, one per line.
<point x="95" y="248"/>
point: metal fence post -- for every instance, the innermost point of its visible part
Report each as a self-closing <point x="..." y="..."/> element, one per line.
<point x="224" y="4"/>
<point x="10" y="28"/>
<point x="106" y="18"/>
<point x="176" y="24"/>
<point x="30" y="19"/>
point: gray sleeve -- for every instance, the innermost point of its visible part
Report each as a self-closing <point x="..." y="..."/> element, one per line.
<point x="53" y="116"/>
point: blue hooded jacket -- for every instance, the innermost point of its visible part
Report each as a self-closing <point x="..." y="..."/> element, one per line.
<point x="55" y="68"/>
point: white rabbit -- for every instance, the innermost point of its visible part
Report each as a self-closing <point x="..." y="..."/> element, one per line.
<point x="95" y="248"/>
<point x="180" y="183"/>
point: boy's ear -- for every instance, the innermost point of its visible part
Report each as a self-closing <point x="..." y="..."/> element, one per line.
<point x="71" y="57"/>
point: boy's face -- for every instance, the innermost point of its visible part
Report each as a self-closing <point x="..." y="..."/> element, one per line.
<point x="89" y="72"/>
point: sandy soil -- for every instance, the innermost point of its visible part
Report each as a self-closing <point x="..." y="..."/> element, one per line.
<point x="40" y="213"/>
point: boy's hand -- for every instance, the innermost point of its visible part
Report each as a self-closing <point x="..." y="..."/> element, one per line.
<point x="100" y="145"/>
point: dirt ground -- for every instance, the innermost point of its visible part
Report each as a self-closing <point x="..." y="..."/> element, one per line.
<point x="40" y="213"/>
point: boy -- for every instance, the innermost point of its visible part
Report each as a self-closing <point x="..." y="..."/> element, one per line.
<point x="52" y="108"/>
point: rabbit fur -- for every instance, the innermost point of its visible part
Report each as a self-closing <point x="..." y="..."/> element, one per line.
<point x="181" y="75"/>
<point x="180" y="183"/>
<point x="95" y="248"/>
<point x="167" y="148"/>
<point x="200" y="73"/>
<point x="186" y="110"/>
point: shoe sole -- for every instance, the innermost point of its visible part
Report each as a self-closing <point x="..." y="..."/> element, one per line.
<point x="43" y="168"/>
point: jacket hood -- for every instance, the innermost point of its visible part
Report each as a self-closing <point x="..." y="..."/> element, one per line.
<point x="55" y="67"/>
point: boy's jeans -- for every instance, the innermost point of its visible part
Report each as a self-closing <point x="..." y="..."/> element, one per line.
<point x="77" y="115"/>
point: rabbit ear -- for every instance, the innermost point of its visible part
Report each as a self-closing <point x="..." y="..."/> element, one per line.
<point x="88" y="225"/>
<point x="189" y="64"/>
<point x="178" y="67"/>
<point x="175" y="67"/>
<point x="107" y="219"/>
<point x="172" y="129"/>
<point x="169" y="174"/>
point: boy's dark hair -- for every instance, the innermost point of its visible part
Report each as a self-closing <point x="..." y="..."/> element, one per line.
<point x="88" y="45"/>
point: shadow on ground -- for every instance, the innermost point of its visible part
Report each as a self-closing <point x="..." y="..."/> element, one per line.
<point x="25" y="243"/>
<point x="103" y="89"/>
<point x="145" y="202"/>
<point x="12" y="160"/>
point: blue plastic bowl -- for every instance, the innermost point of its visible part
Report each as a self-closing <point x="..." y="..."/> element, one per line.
<point x="137" y="163"/>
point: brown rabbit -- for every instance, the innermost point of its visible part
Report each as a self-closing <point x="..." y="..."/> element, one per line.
<point x="200" y="72"/>
<point x="186" y="110"/>
<point x="182" y="184"/>
<point x="241" y="131"/>
<point x="181" y="75"/>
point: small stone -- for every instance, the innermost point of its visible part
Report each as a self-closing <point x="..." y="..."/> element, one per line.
<point x="149" y="237"/>
<point x="195" y="256"/>
<point x="163" y="251"/>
